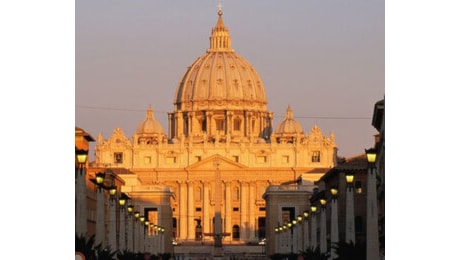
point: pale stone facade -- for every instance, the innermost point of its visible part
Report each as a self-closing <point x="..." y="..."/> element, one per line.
<point x="220" y="126"/>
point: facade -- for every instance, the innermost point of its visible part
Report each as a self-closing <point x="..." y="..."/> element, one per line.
<point x="221" y="145"/>
<point x="378" y="122"/>
<point x="284" y="204"/>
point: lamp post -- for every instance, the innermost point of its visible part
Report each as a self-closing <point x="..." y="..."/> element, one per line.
<point x="314" y="242"/>
<point x="137" y="216"/>
<point x="350" y="210"/>
<point x="141" y="233"/>
<point x="372" y="240"/>
<point x="299" y="232"/>
<point x="112" y="233"/>
<point x="130" y="227"/>
<point x="147" y="247"/>
<point x="293" y="235"/>
<point x="277" y="230"/>
<point x="162" y="240"/>
<point x="81" y="226"/>
<point x="334" y="222"/>
<point x="100" y="237"/>
<point x="306" y="237"/>
<point x="285" y="240"/>
<point x="122" y="227"/>
<point x="322" y="227"/>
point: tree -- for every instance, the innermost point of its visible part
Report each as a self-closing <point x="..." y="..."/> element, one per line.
<point x="350" y="250"/>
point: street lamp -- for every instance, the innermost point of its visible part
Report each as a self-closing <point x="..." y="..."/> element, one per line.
<point x="306" y="240"/>
<point x="137" y="216"/>
<point x="81" y="225"/>
<point x="350" y="210"/>
<point x="122" y="233"/>
<point x="82" y="156"/>
<point x="372" y="240"/>
<point x="99" y="207"/>
<point x="314" y="242"/>
<point x="130" y="233"/>
<point x="322" y="227"/>
<point x="334" y="221"/>
<point x="141" y="233"/>
<point x="112" y="232"/>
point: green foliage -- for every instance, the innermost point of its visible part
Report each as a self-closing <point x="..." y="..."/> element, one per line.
<point x="85" y="246"/>
<point x="91" y="251"/>
<point x="349" y="250"/>
<point x="314" y="254"/>
<point x="105" y="253"/>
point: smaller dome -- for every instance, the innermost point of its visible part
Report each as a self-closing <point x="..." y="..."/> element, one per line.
<point x="289" y="125"/>
<point x="150" y="125"/>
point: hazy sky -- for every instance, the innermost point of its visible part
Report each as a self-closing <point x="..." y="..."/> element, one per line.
<point x="326" y="59"/>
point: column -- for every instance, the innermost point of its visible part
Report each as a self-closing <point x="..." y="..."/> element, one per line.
<point x="228" y="209"/>
<point x="314" y="242"/>
<point x="306" y="235"/>
<point x="122" y="236"/>
<point x="141" y="236"/>
<point x="182" y="210"/>
<point x="322" y="226"/>
<point x="244" y="212"/>
<point x="135" y="225"/>
<point x="130" y="233"/>
<point x="252" y="218"/>
<point x="372" y="236"/>
<point x="190" y="212"/>
<point x="100" y="236"/>
<point x="112" y="232"/>
<point x="350" y="212"/>
<point x="81" y="211"/>
<point x="334" y="222"/>
<point x="206" y="219"/>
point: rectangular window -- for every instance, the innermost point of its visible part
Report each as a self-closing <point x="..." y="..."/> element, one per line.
<point x="315" y="156"/>
<point x="197" y="158"/>
<point x="287" y="214"/>
<point x="237" y="125"/>
<point x="262" y="209"/>
<point x="170" y="159"/>
<point x="147" y="160"/>
<point x="285" y="159"/>
<point x="219" y="125"/>
<point x="236" y="209"/>
<point x="261" y="159"/>
<point x="236" y="158"/>
<point x="118" y="157"/>
<point x="198" y="209"/>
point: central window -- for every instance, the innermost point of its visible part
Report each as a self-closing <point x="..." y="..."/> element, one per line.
<point x="219" y="124"/>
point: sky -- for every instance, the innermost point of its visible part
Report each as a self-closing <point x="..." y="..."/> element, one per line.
<point x="325" y="59"/>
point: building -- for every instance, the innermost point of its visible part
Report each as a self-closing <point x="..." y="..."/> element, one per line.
<point x="378" y="122"/>
<point x="221" y="146"/>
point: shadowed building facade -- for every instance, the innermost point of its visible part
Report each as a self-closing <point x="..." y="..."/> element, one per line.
<point x="220" y="123"/>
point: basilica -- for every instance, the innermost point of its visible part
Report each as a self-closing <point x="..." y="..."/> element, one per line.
<point x="220" y="152"/>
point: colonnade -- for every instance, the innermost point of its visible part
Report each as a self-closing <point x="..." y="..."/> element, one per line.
<point x="244" y="201"/>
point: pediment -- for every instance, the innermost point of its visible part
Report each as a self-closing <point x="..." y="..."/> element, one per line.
<point x="210" y="163"/>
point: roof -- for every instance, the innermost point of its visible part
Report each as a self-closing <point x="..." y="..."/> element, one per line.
<point x="353" y="164"/>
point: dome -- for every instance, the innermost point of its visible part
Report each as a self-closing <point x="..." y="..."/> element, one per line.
<point x="150" y="125"/>
<point x="220" y="78"/>
<point x="289" y="125"/>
